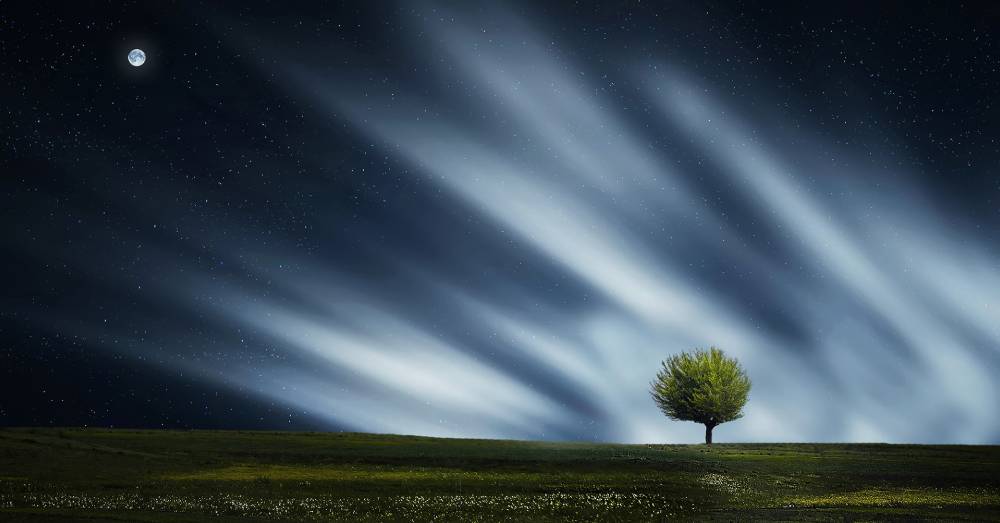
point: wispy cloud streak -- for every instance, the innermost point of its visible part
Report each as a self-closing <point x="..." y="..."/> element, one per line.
<point x="942" y="358"/>
<point x="599" y="250"/>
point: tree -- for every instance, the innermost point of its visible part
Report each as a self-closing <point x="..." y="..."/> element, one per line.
<point x="704" y="386"/>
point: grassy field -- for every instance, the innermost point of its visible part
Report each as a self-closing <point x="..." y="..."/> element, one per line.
<point x="125" y="475"/>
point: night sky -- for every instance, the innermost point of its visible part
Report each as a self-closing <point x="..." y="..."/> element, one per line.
<point x="494" y="220"/>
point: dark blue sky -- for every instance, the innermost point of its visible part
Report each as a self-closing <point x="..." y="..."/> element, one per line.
<point x="496" y="219"/>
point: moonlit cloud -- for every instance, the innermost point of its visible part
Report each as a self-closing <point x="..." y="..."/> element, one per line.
<point x="942" y="356"/>
<point x="590" y="248"/>
<point x="575" y="200"/>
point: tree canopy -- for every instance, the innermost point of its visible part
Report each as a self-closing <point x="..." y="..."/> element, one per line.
<point x="704" y="386"/>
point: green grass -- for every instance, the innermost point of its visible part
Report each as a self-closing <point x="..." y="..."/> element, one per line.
<point x="124" y="475"/>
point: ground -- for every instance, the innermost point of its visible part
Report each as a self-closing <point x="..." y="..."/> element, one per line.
<point x="150" y="475"/>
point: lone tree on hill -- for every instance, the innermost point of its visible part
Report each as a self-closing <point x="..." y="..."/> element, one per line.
<point x="704" y="386"/>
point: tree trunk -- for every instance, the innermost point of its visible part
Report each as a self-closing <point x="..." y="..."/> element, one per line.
<point x="708" y="434"/>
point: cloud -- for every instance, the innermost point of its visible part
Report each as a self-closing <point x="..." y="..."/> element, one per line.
<point x="597" y="248"/>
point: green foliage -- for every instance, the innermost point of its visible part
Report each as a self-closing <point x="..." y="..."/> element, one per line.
<point x="704" y="386"/>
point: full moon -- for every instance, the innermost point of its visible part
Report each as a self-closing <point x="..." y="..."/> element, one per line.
<point x="136" y="57"/>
